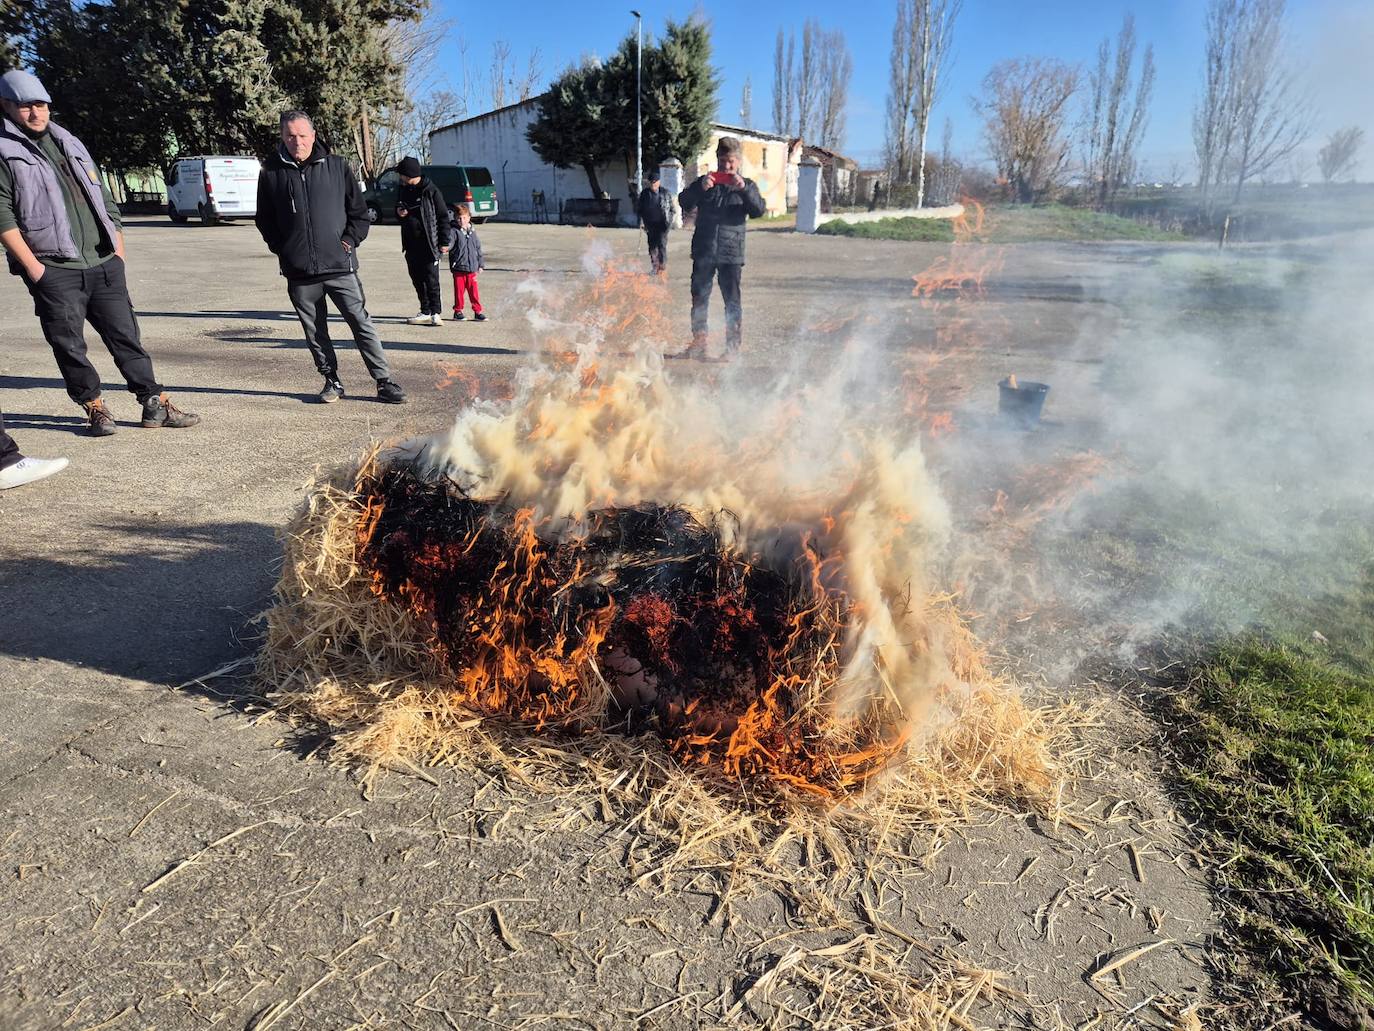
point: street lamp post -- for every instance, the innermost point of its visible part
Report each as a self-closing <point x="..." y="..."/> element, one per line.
<point x="639" y="123"/>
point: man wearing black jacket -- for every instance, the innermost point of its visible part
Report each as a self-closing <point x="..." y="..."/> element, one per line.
<point x="312" y="216"/>
<point x="655" y="209"/>
<point x="424" y="237"/>
<point x="723" y="201"/>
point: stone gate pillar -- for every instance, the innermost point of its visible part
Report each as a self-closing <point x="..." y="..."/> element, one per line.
<point x="808" y="195"/>
<point x="670" y="174"/>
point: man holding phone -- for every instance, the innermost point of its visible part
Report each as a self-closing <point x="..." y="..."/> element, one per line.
<point x="723" y="201"/>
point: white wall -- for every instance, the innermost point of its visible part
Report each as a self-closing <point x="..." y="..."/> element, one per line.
<point x="498" y="141"/>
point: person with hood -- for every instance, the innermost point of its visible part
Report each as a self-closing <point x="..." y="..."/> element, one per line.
<point x="312" y="217"/>
<point x="655" y="210"/>
<point x="723" y="201"/>
<point x="424" y="237"/>
<point x="62" y="234"/>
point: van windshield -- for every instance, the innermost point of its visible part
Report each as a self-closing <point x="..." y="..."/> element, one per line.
<point x="478" y="176"/>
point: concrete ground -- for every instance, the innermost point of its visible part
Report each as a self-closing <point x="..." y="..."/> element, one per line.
<point x="166" y="862"/>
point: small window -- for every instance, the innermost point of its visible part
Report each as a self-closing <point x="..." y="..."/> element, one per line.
<point x="175" y="175"/>
<point x="765" y="157"/>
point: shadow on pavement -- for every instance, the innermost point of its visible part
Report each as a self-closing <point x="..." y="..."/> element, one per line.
<point x="115" y="390"/>
<point x="153" y="601"/>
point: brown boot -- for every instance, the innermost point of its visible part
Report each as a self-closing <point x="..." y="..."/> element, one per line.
<point x="101" y="422"/>
<point x="696" y="350"/>
<point x="159" y="413"/>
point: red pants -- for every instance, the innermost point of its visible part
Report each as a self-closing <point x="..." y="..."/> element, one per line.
<point x="466" y="281"/>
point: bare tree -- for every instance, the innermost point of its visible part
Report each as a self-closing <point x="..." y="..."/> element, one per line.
<point x="1337" y="158"/>
<point x="921" y="39"/>
<point x="746" y="105"/>
<point x="1252" y="114"/>
<point x="1024" y="105"/>
<point x="784" y="84"/>
<point x="811" y="92"/>
<point x="837" y="67"/>
<point x="947" y="174"/>
<point x="1113" y="123"/>
<point x="497" y="74"/>
<point x="383" y="136"/>
<point x="530" y="79"/>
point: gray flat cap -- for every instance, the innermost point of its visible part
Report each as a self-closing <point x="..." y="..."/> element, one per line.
<point x="22" y="87"/>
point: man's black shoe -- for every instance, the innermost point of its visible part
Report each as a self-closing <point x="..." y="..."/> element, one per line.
<point x="480" y="317"/>
<point x="159" y="413"/>
<point x="333" y="390"/>
<point x="390" y="393"/>
<point x="458" y="316"/>
<point x="102" y="423"/>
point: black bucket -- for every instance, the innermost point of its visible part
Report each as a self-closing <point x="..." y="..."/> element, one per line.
<point x="1022" y="403"/>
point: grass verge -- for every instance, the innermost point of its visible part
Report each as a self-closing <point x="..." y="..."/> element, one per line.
<point x="1019" y="223"/>
<point x="937" y="230"/>
<point x="1275" y="739"/>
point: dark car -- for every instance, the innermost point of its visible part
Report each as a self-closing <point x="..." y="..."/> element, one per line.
<point x="460" y="184"/>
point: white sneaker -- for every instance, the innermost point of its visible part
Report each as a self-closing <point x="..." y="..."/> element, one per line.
<point x="436" y="319"/>
<point x="419" y="320"/>
<point x="26" y="470"/>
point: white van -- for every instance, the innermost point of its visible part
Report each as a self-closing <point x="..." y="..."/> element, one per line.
<point x="212" y="188"/>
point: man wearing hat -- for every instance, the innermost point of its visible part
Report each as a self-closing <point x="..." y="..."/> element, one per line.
<point x="62" y="235"/>
<point x="655" y="210"/>
<point x="723" y="200"/>
<point x="424" y="237"/>
<point x="312" y="217"/>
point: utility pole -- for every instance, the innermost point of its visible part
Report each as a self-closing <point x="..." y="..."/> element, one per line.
<point x="639" y="122"/>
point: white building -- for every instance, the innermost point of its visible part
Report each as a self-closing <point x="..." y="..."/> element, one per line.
<point x="497" y="140"/>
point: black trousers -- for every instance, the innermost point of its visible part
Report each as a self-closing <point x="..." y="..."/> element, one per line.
<point x="64" y="300"/>
<point x="703" y="272"/>
<point x="424" y="273"/>
<point x="658" y="246"/>
<point x="9" y="450"/>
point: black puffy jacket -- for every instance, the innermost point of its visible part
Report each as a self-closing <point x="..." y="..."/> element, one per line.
<point x="308" y="211"/>
<point x="425" y="227"/>
<point x="721" y="214"/>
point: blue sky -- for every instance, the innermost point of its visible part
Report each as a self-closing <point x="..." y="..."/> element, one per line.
<point x="1333" y="46"/>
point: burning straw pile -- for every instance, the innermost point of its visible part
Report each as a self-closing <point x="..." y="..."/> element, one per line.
<point x="607" y="551"/>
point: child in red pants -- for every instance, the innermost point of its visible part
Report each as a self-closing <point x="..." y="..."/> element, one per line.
<point x="464" y="261"/>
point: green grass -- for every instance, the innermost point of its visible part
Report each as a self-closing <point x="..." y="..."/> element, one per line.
<point x="936" y="230"/>
<point x="1277" y="751"/>
<point x="1007" y="224"/>
<point x="1015" y="223"/>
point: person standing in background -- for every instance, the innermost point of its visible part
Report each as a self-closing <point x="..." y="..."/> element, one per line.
<point x="312" y="217"/>
<point x="655" y="210"/>
<point x="424" y="238"/>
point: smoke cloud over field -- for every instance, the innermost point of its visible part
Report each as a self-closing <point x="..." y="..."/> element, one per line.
<point x="1236" y="411"/>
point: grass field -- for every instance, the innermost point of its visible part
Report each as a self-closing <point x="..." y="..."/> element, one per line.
<point x="1008" y="224"/>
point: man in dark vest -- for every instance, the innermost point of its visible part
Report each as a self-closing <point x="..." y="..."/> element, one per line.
<point x="723" y="201"/>
<point x="312" y="216"/>
<point x="62" y="234"/>
<point x="424" y="237"/>
<point x="655" y="210"/>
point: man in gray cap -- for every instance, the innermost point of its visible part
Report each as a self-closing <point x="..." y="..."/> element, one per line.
<point x="62" y="234"/>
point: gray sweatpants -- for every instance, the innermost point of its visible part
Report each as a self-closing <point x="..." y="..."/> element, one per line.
<point x="347" y="294"/>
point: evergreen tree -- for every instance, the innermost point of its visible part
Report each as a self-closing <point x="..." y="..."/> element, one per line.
<point x="588" y="116"/>
<point x="13" y="25"/>
<point x="574" y="127"/>
<point x="330" y="58"/>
